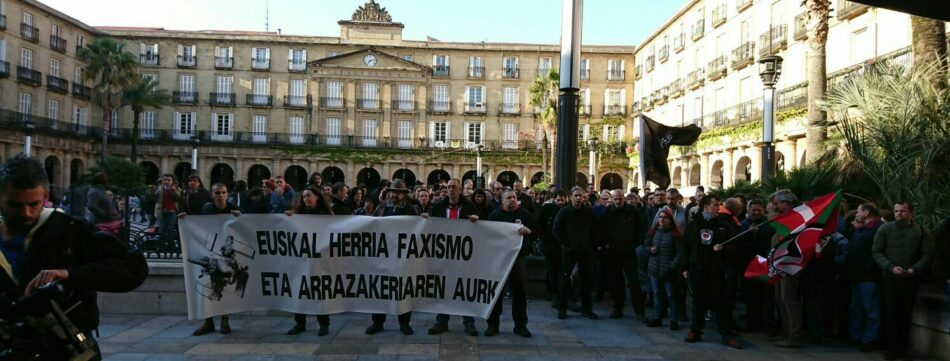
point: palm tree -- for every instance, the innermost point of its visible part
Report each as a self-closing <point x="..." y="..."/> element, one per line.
<point x="818" y="12"/>
<point x="144" y="93"/>
<point x="543" y="94"/>
<point x="112" y="70"/>
<point x="930" y="44"/>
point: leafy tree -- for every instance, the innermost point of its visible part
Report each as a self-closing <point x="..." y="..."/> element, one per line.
<point x="143" y="93"/>
<point x="112" y="70"/>
<point x="124" y="176"/>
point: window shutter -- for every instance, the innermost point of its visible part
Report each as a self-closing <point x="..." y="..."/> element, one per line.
<point x="433" y="60"/>
<point x="446" y="60"/>
<point x="175" y="123"/>
<point x="230" y="51"/>
<point x="586" y="131"/>
<point x="606" y="99"/>
<point x="181" y="50"/>
<point x="587" y="96"/>
<point x="194" y="51"/>
<point x="621" y="133"/>
<point x="448" y="132"/>
<point x="305" y="55"/>
<point x="468" y="96"/>
<point x="290" y="55"/>
<point x="431" y="132"/>
<point x="484" y="99"/>
<point x="141" y="48"/>
<point x="253" y="53"/>
<point x="267" y="54"/>
<point x="623" y="97"/>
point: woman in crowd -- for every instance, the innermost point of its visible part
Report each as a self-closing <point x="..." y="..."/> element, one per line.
<point x="664" y="242"/>
<point x="311" y="201"/>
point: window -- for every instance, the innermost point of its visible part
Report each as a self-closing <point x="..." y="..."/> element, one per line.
<point x="259" y="134"/>
<point x="296" y="129"/>
<point x="862" y="45"/>
<point x="114" y="122"/>
<point x="297" y="96"/>
<point x="26" y="58"/>
<point x="148" y="54"/>
<point x="26" y="104"/>
<point x="80" y="41"/>
<point x="440" y="98"/>
<point x="544" y="66"/>
<point x="184" y="123"/>
<point x="3" y="50"/>
<point x="585" y="101"/>
<point x="583" y="132"/>
<point x="150" y="76"/>
<point x="510" y="104"/>
<point x="54" y="67"/>
<point x="510" y="67"/>
<point x="476" y="99"/>
<point x="615" y="69"/>
<point x="80" y="76"/>
<point x="221" y="126"/>
<point x="407" y="57"/>
<point x="370" y="96"/>
<point x="369" y="132"/>
<point x="438" y="134"/>
<point x="406" y="96"/>
<point x="613" y="133"/>
<point x="585" y="69"/>
<point x="404" y="130"/>
<point x="260" y="89"/>
<point x="186" y="88"/>
<point x="297" y="59"/>
<point x="475" y="67"/>
<point x="186" y="55"/>
<point x="223" y="57"/>
<point x="147" y="125"/>
<point x="260" y="58"/>
<point x="614" y="101"/>
<point x="333" y="131"/>
<point x="80" y="120"/>
<point x="509" y="136"/>
<point x="225" y="94"/>
<point x="440" y="65"/>
<point x="52" y="111"/>
<point x="539" y="136"/>
<point x="474" y="134"/>
<point x="334" y="94"/>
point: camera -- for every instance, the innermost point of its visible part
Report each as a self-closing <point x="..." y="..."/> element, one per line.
<point x="35" y="327"/>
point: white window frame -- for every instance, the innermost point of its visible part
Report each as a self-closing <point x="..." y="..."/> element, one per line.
<point x="475" y="99"/>
<point x="26" y="58"/>
<point x="404" y="133"/>
<point x="510" y="102"/>
<point x="474" y="134"/>
<point x="334" y="127"/>
<point x="26" y="104"/>
<point x="440" y="64"/>
<point x="406" y="95"/>
<point x="297" y="89"/>
<point x="52" y="111"/>
<point x="184" y="125"/>
<point x="149" y="53"/>
<point x="615" y="69"/>
<point x="476" y="67"/>
<point x="585" y="69"/>
<point x="225" y="88"/>
<point x="334" y="94"/>
<point x="260" y="89"/>
<point x="222" y="127"/>
<point x="544" y="66"/>
<point x="114" y="122"/>
<point x="147" y="125"/>
<point x="297" y="59"/>
<point x="370" y="132"/>
<point x="186" y="87"/>
<point x="55" y="67"/>
<point x="260" y="58"/>
<point x="224" y="56"/>
<point x="440" y="98"/>
<point x="439" y="134"/>
<point x="296" y="129"/>
<point x="509" y="136"/>
<point x="370" y="95"/>
<point x="259" y="130"/>
<point x="80" y="119"/>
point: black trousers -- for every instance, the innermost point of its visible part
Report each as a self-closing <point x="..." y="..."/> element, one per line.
<point x="601" y="273"/>
<point x="323" y="320"/>
<point x="552" y="263"/>
<point x="899" y="294"/>
<point x="569" y="259"/>
<point x="404" y="318"/>
<point x="519" y="301"/>
<point x="622" y="263"/>
<point x="713" y="290"/>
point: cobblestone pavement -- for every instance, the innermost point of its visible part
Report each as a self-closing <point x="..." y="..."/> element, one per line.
<point x="149" y="337"/>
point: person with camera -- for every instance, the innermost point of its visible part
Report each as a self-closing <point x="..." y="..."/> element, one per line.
<point x="41" y="245"/>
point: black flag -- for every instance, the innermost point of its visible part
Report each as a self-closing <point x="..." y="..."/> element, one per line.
<point x="655" y="142"/>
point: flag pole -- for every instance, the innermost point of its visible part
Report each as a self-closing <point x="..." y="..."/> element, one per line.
<point x="754" y="227"/>
<point x="643" y="171"/>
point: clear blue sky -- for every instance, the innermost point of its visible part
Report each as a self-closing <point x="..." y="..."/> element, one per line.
<point x="613" y="22"/>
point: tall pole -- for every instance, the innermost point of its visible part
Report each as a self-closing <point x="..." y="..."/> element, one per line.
<point x="768" y="132"/>
<point x="194" y="155"/>
<point x="28" y="138"/>
<point x="565" y="169"/>
<point x="592" y="165"/>
<point x="479" y="182"/>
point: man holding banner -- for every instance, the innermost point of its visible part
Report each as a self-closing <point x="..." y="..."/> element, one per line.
<point x="398" y="205"/>
<point x="511" y="212"/>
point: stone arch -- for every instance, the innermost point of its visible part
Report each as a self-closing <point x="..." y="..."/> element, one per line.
<point x="581" y="180"/>
<point x="473" y="175"/>
<point x="676" y="177"/>
<point x="256" y="174"/>
<point x="437" y="176"/>
<point x="76" y="168"/>
<point x="296" y="176"/>
<point x="611" y="181"/>
<point x="54" y="171"/>
<point x="538" y="177"/>
<point x="507" y="178"/>
<point x="221" y="173"/>
<point x="181" y="172"/>
<point x="779" y="162"/>
<point x="370" y="178"/>
<point x="406" y="175"/>
<point x="715" y="174"/>
<point x="151" y="172"/>
<point x="695" y="175"/>
<point x="332" y="175"/>
<point x="743" y="171"/>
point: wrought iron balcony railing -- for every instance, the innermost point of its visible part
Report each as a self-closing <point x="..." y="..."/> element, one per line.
<point x="259" y="100"/>
<point x="57" y="84"/>
<point x="82" y="92"/>
<point x="29" y="32"/>
<point x="476" y="72"/>
<point x="4" y="69"/>
<point x="185" y="97"/>
<point x="717" y="68"/>
<point x="743" y="55"/>
<point x="187" y="61"/>
<point x="698" y="29"/>
<point x="149" y="59"/>
<point x="332" y="102"/>
<point x="297" y="101"/>
<point x="260" y="64"/>
<point x="223" y="62"/>
<point x="510" y="73"/>
<point x="222" y="99"/>
<point x="441" y="106"/>
<point x="773" y="41"/>
<point x="440" y="71"/>
<point x="57" y="43"/>
<point x="28" y="76"/>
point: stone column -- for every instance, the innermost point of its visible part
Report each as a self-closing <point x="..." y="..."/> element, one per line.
<point x="704" y="171"/>
<point x="729" y="171"/>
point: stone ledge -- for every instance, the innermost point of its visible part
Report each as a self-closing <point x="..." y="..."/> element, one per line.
<point x="930" y="323"/>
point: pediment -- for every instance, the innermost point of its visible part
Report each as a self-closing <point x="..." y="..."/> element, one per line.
<point x="355" y="60"/>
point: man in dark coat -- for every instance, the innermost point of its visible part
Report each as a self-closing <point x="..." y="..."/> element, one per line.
<point x="549" y="245"/>
<point x="511" y="212"/>
<point x="623" y="225"/>
<point x="573" y="226"/>
<point x="40" y="245"/>
<point x="757" y="241"/>
<point x="865" y="278"/>
<point x="338" y="200"/>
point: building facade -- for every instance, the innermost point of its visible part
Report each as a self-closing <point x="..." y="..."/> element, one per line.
<point x="359" y="107"/>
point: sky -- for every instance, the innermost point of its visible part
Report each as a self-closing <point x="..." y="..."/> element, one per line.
<point x="606" y="22"/>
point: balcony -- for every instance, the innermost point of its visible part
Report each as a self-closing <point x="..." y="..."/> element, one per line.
<point x="149" y="59"/>
<point x="651" y="62"/>
<point x="616" y="74"/>
<point x="679" y="42"/>
<point x="368" y="104"/>
<point x="28" y="76"/>
<point x="664" y="53"/>
<point x="223" y="62"/>
<point x="297" y="101"/>
<point x="82" y="92"/>
<point x="476" y="72"/>
<point x="695" y="79"/>
<point x="719" y="15"/>
<point x="739" y="114"/>
<point x="698" y="29"/>
<point x="443" y="107"/>
<point x="743" y="56"/>
<point x="404" y="106"/>
<point x="614" y="109"/>
<point x="332" y="102"/>
<point x="297" y="67"/>
<point x="57" y="43"/>
<point x="259" y="100"/>
<point x="510" y="73"/>
<point x="512" y="109"/>
<point x="180" y="97"/>
<point x="773" y="41"/>
<point x="636" y="109"/>
<point x="717" y="68"/>
<point x="801" y="27"/>
<point x="646" y="104"/>
<point x="849" y="10"/>
<point x="4" y="69"/>
<point x="222" y="99"/>
<point x="29" y="32"/>
<point x="260" y="64"/>
<point x="676" y="88"/>
<point x="3" y="22"/>
<point x="57" y="84"/>
<point x="475" y="108"/>
<point x="585" y="74"/>
<point x="440" y="71"/>
<point x="187" y="61"/>
<point x="743" y="4"/>
<point x="638" y="72"/>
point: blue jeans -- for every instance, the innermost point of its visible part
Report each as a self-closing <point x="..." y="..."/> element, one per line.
<point x="663" y="297"/>
<point x="169" y="224"/>
<point x="865" y="318"/>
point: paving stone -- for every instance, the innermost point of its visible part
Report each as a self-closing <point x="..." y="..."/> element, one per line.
<point x="286" y="349"/>
<point x="169" y="357"/>
<point x="222" y="348"/>
<point x="408" y="349"/>
<point x="129" y="356"/>
<point x="164" y="347"/>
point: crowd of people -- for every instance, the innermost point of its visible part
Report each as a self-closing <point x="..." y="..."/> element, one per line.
<point x="656" y="249"/>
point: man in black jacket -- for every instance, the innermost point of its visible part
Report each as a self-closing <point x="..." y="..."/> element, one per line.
<point x="549" y="245"/>
<point x="511" y="212"/>
<point x="40" y="245"/>
<point x="453" y="207"/>
<point x="572" y="227"/>
<point x="624" y="230"/>
<point x="338" y="200"/>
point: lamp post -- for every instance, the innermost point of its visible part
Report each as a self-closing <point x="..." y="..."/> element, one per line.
<point x="770" y="68"/>
<point x="194" y="155"/>
<point x="565" y="168"/>
<point x="479" y="182"/>
<point x="592" y="166"/>
<point x="28" y="127"/>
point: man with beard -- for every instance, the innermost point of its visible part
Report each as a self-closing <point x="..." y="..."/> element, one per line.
<point x="524" y="200"/>
<point x="512" y="212"/>
<point x="760" y="299"/>
<point x="624" y="230"/>
<point x="573" y="226"/>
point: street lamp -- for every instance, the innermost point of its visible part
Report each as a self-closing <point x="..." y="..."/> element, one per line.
<point x="592" y="166"/>
<point x="565" y="168"/>
<point x="28" y="127"/>
<point x="770" y="68"/>
<point x="194" y="155"/>
<point x="479" y="182"/>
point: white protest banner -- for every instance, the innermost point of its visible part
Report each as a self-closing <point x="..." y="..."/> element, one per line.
<point x="318" y="264"/>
